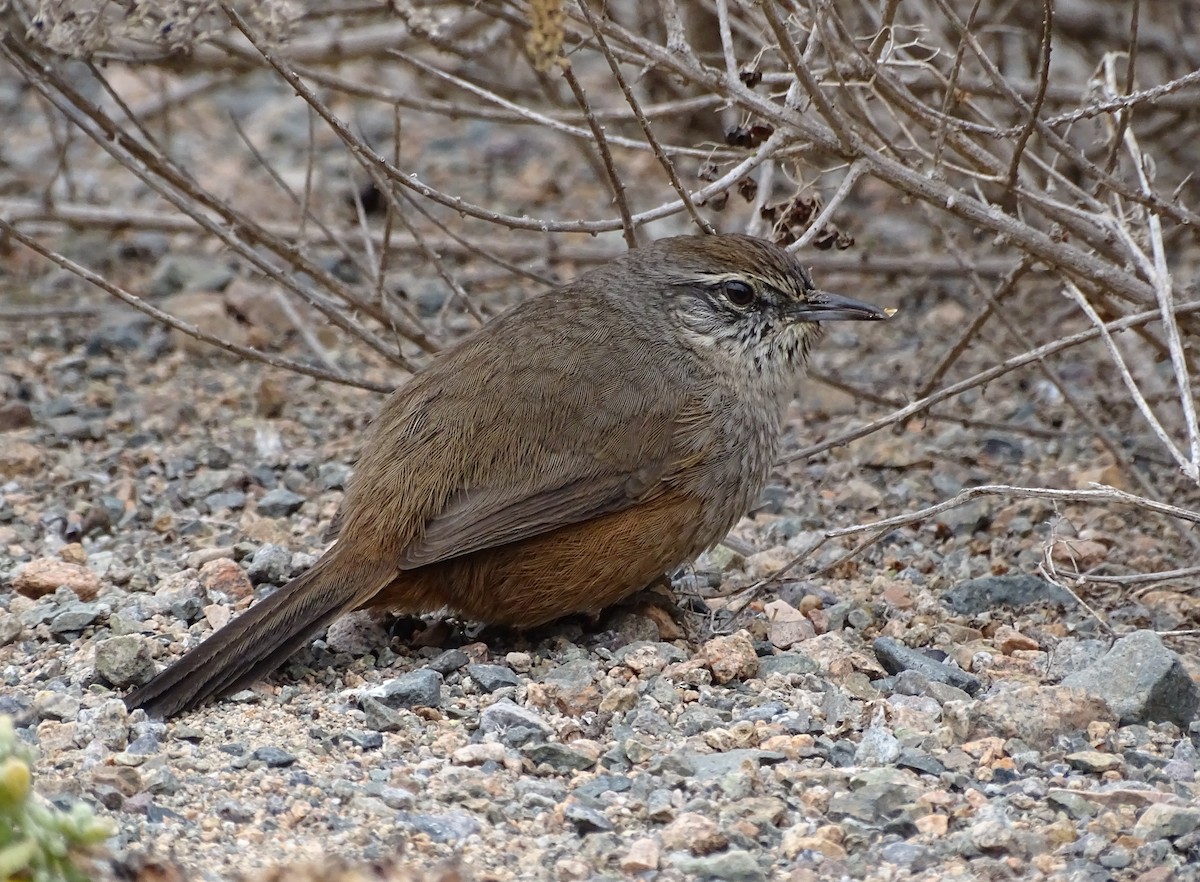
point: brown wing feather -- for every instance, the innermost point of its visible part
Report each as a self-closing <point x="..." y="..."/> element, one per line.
<point x="584" y="437"/>
<point x="489" y="517"/>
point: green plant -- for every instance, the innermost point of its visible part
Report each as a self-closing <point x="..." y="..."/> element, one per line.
<point x="39" y="843"/>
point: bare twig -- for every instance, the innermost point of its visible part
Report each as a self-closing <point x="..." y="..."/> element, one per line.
<point x="876" y="530"/>
<point x="984" y="377"/>
<point x="184" y="327"/>
<point x="1047" y="571"/>
<point x="614" y="180"/>
<point x="37" y="313"/>
<point x="1131" y="385"/>
<point x="643" y="121"/>
<point x="1144" y="578"/>
<point x="1043" y="81"/>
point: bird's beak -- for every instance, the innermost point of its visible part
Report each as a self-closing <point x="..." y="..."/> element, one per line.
<point x="823" y="306"/>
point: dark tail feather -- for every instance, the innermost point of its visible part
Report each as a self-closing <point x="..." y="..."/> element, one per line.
<point x="260" y="639"/>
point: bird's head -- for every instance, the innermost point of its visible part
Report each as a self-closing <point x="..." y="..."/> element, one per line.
<point x="743" y="297"/>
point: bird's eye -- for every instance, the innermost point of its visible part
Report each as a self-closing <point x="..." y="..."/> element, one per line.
<point x="739" y="293"/>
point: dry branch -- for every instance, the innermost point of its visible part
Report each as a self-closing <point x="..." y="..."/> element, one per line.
<point x="1048" y="166"/>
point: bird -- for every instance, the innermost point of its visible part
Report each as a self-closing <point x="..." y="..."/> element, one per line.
<point x="563" y="456"/>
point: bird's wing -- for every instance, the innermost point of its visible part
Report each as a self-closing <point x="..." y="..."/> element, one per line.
<point x="555" y="489"/>
<point x="574" y="439"/>
<point x="486" y="517"/>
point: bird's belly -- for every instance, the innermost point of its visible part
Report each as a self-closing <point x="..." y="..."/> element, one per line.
<point x="583" y="567"/>
<point x="588" y="566"/>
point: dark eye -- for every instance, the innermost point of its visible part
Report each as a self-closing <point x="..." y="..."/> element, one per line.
<point x="739" y="293"/>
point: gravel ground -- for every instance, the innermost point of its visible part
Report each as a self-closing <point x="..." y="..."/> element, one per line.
<point x="933" y="709"/>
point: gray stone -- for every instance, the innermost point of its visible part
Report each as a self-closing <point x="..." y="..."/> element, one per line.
<point x="74" y="616"/>
<point x="993" y="831"/>
<point x="1072" y="655"/>
<point x="160" y="781"/>
<point x="559" y="757"/>
<point x="275" y="757"/>
<point x="188" y="610"/>
<point x="449" y="661"/>
<point x="787" y="663"/>
<point x="1164" y="821"/>
<point x="669" y="652"/>
<point x="124" y="661"/>
<point x="601" y="784"/>
<point x="60" y="406"/>
<point x="896" y="657"/>
<point x="733" y="865"/>
<point x="963" y="519"/>
<point x="571" y="678"/>
<point x="378" y="716"/>
<point x="909" y="682"/>
<point x="633" y="627"/>
<point x="1094" y="761"/>
<point x="981" y="595"/>
<point x="371" y="806"/>
<point x="208" y="481"/>
<point x="586" y="819"/>
<point x="270" y="565"/>
<point x="852" y="614"/>
<point x="10" y="628"/>
<point x="1037" y="715"/>
<point x="634" y="750"/>
<point x="680" y="762"/>
<point x="56" y="706"/>
<point x="230" y="499"/>
<point x="540" y="792"/>
<point x="215" y="456"/>
<point x="1116" y="857"/>
<point x="73" y="427"/>
<point x="364" y="740"/>
<point x="712" y="766"/>
<point x="333" y="475"/>
<point x="302" y="561"/>
<point x="920" y="761"/>
<point x="279" y="503"/>
<point x="907" y="855"/>
<point x="1073" y="802"/>
<point x="358" y="633"/>
<point x="419" y="688"/>
<point x="1141" y="681"/>
<point x="493" y="677"/>
<point x="878" y="747"/>
<point x="397" y="797"/>
<point x="430" y="300"/>
<point x="698" y="718"/>
<point x="1182" y="765"/>
<point x="189" y="272"/>
<point x="447" y="827"/>
<point x="144" y="745"/>
<point x="943" y="692"/>
<point x="119" y="332"/>
<point x="875" y="803"/>
<point x="505" y="714"/>
<point x="108" y="723"/>
<point x="650" y="722"/>
<point x="237" y="812"/>
<point x="665" y="693"/>
<point x="660" y="806"/>
<point x="519" y="736"/>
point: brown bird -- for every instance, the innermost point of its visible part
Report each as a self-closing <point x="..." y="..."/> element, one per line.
<point x="558" y="459"/>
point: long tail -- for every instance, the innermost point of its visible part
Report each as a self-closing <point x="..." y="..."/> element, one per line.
<point x="262" y="638"/>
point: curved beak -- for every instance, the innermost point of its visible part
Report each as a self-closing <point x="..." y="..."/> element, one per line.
<point x="825" y="306"/>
